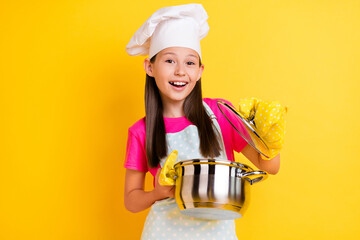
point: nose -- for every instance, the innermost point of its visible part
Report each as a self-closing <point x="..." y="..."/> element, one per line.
<point x="180" y="70"/>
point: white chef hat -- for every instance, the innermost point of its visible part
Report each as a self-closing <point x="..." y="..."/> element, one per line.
<point x="176" y="26"/>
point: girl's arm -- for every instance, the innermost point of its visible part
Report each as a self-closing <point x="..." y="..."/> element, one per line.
<point x="136" y="199"/>
<point x="271" y="166"/>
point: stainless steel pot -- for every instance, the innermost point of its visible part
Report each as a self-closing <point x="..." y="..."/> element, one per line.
<point x="214" y="189"/>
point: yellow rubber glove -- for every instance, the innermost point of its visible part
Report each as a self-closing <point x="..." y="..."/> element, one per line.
<point x="269" y="119"/>
<point x="167" y="173"/>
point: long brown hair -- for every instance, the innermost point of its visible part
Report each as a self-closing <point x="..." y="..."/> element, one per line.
<point x="156" y="146"/>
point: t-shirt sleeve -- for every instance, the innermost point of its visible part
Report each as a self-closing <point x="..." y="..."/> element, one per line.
<point x="230" y="135"/>
<point x="238" y="141"/>
<point x="135" y="152"/>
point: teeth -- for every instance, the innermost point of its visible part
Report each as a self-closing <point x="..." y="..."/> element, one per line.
<point x="178" y="83"/>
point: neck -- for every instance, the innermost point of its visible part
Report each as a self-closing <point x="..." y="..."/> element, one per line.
<point x="173" y="109"/>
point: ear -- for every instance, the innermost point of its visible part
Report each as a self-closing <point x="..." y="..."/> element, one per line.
<point x="200" y="72"/>
<point x="148" y="67"/>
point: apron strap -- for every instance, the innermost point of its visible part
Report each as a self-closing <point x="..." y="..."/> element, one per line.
<point x="209" y="111"/>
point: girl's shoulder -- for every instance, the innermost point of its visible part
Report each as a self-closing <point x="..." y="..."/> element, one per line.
<point x="212" y="102"/>
<point x="138" y="128"/>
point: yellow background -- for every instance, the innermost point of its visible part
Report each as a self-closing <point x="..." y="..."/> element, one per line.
<point x="69" y="92"/>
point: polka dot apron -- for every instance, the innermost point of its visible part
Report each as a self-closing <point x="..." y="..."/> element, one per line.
<point x="164" y="220"/>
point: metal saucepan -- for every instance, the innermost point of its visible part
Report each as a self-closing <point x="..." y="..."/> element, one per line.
<point x="214" y="189"/>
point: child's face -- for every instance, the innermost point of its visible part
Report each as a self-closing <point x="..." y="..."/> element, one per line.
<point x="176" y="71"/>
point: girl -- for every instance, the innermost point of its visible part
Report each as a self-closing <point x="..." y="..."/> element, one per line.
<point x="177" y="118"/>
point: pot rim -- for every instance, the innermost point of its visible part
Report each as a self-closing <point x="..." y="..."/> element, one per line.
<point x="213" y="161"/>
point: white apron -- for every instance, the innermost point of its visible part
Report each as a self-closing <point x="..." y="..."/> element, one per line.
<point x="164" y="220"/>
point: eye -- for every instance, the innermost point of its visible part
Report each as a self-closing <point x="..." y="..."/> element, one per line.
<point x="169" y="61"/>
<point x="190" y="63"/>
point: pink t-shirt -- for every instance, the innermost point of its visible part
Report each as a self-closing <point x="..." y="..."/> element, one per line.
<point x="136" y="152"/>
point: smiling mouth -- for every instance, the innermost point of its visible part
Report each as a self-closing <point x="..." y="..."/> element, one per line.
<point x="178" y="84"/>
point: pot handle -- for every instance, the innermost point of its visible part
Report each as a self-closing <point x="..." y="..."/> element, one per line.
<point x="253" y="177"/>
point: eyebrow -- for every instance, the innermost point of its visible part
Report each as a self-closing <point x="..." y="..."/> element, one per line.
<point x="189" y="55"/>
<point x="192" y="55"/>
<point x="169" y="53"/>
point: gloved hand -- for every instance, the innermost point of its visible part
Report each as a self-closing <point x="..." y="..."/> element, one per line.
<point x="167" y="173"/>
<point x="269" y="119"/>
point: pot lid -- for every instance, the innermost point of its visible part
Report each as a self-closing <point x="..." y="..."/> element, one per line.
<point x="237" y="120"/>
